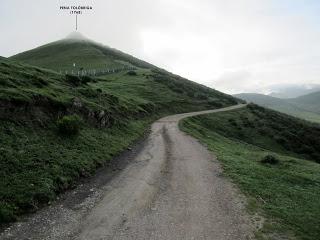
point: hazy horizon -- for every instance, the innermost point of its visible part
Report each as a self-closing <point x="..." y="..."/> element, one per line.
<point x="233" y="46"/>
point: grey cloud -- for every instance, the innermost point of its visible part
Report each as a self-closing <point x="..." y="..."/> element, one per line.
<point x="238" y="43"/>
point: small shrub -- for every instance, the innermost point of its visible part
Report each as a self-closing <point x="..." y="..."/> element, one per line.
<point x="69" y="125"/>
<point x="232" y="122"/>
<point x="282" y="141"/>
<point x="6" y="83"/>
<point x="270" y="159"/>
<point x="7" y="212"/>
<point x="132" y="73"/>
<point x="74" y="80"/>
<point x="316" y="156"/>
<point x="86" y="79"/>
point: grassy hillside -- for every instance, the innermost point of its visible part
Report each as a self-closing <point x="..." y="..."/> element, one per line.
<point x="86" y="54"/>
<point x="305" y="107"/>
<point x="57" y="128"/>
<point x="270" y="130"/>
<point x="284" y="194"/>
<point x="310" y="102"/>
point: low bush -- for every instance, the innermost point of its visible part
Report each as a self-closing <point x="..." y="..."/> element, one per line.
<point x="232" y="122"/>
<point x="87" y="79"/>
<point x="69" y="125"/>
<point x="77" y="81"/>
<point x="132" y="73"/>
<point x="7" y="213"/>
<point x="74" y="80"/>
<point x="281" y="140"/>
<point x="270" y="159"/>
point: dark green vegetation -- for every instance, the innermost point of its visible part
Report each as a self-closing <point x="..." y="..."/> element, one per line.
<point x="45" y="148"/>
<point x="270" y="159"/>
<point x="69" y="125"/>
<point x="305" y="107"/>
<point x="286" y="190"/>
<point x="37" y="163"/>
<point x="271" y="130"/>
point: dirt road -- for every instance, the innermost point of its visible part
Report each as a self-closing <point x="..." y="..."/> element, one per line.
<point x="172" y="188"/>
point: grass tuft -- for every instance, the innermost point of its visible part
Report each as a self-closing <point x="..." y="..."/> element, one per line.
<point x="69" y="125"/>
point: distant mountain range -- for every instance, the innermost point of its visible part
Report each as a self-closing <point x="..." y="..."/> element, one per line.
<point x="305" y="107"/>
<point x="292" y="90"/>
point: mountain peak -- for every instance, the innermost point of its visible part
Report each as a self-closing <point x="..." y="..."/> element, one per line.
<point x="76" y="36"/>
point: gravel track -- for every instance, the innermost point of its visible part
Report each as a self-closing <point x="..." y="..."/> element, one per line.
<point x="168" y="187"/>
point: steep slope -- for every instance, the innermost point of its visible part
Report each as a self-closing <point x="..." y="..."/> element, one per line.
<point x="304" y="108"/>
<point x="56" y="128"/>
<point x="271" y="130"/>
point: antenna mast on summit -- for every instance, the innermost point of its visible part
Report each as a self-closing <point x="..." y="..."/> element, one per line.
<point x="76" y="22"/>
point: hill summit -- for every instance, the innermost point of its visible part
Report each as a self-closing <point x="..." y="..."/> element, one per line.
<point x="76" y="53"/>
<point x="77" y="36"/>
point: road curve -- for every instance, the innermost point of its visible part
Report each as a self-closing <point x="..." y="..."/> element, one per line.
<point x="171" y="189"/>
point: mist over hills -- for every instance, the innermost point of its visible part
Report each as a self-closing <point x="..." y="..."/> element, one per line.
<point x="292" y="90"/>
<point x="305" y="107"/>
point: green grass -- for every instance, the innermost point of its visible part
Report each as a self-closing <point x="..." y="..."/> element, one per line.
<point x="309" y="102"/>
<point x="37" y="161"/>
<point x="270" y="130"/>
<point x="285" y="194"/>
<point x="298" y="112"/>
<point x="62" y="54"/>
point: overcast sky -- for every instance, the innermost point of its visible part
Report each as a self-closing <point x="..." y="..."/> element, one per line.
<point x="231" y="45"/>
